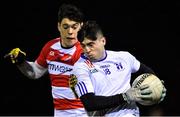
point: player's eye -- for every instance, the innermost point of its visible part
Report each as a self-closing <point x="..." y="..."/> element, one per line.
<point x="74" y="26"/>
<point x="90" y="45"/>
<point x="66" y="26"/>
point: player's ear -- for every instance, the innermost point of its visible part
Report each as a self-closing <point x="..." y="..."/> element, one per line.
<point x="58" y="26"/>
<point x="104" y="40"/>
<point x="81" y="24"/>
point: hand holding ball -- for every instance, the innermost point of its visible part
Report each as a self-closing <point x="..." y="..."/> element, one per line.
<point x="155" y="85"/>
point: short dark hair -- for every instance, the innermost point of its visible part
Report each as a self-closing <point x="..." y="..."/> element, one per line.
<point x="71" y="12"/>
<point x="90" y="30"/>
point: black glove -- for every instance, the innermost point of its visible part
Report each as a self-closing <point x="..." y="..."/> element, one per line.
<point x="16" y="56"/>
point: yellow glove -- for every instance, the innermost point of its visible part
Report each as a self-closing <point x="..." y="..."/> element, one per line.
<point x="16" y="56"/>
<point x="72" y="83"/>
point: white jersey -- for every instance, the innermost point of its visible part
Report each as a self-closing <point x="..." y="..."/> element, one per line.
<point x="108" y="77"/>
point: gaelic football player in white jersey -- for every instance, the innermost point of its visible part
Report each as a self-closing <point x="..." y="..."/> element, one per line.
<point x="57" y="57"/>
<point x="103" y="77"/>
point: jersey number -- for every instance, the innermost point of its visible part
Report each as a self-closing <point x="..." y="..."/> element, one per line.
<point x="107" y="71"/>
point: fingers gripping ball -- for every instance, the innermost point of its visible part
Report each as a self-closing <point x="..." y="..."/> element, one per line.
<point x="155" y="85"/>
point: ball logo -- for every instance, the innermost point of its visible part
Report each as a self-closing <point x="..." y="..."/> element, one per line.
<point x="142" y="79"/>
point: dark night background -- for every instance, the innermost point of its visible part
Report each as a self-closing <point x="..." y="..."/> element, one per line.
<point x="149" y="29"/>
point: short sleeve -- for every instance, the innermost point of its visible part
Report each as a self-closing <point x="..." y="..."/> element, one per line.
<point x="135" y="64"/>
<point x="84" y="84"/>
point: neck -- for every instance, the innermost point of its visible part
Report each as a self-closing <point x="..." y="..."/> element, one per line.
<point x="104" y="54"/>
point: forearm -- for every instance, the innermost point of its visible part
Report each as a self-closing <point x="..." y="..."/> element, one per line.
<point x="31" y="69"/>
<point x="93" y="103"/>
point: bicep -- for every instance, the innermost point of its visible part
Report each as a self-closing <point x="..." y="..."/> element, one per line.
<point x="143" y="69"/>
<point x="84" y="83"/>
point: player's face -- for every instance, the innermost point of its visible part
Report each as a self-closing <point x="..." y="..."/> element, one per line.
<point x="94" y="50"/>
<point x="68" y="30"/>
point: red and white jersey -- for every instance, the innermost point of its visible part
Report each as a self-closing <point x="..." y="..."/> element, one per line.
<point x="107" y="77"/>
<point x="60" y="62"/>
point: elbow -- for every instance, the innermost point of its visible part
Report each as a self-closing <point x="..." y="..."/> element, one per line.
<point x="88" y="101"/>
<point x="31" y="75"/>
<point x="89" y="107"/>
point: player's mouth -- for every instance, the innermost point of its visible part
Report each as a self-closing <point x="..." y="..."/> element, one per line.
<point x="70" y="38"/>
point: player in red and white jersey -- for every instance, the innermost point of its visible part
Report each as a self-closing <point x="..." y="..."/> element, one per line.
<point x="103" y="77"/>
<point x="59" y="62"/>
<point x="57" y="57"/>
